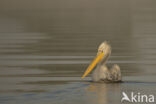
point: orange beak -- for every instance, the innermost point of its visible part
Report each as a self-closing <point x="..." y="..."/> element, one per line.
<point x="93" y="64"/>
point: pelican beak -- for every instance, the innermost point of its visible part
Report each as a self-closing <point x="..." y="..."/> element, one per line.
<point x="93" y="64"/>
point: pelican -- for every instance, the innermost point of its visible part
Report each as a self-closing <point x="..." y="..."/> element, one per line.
<point x="102" y="73"/>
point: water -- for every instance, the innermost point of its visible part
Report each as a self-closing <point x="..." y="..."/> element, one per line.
<point x="45" y="46"/>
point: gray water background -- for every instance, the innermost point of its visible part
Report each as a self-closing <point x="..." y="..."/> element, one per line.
<point x="46" y="45"/>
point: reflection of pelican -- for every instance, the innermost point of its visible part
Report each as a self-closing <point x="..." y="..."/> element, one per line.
<point x="101" y="93"/>
<point x="102" y="73"/>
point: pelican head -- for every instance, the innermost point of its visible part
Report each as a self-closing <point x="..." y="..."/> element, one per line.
<point x="104" y="48"/>
<point x="103" y="53"/>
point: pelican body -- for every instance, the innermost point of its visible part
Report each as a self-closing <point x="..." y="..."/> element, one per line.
<point x="102" y="73"/>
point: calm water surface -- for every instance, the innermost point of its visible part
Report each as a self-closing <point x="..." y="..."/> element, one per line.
<point x="45" y="46"/>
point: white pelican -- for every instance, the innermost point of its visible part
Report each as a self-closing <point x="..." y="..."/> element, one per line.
<point x="102" y="73"/>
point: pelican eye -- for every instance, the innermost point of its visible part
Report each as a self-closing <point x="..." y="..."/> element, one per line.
<point x="102" y="51"/>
